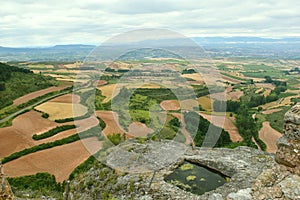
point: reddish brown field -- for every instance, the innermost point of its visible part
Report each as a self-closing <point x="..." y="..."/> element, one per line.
<point x="59" y="161"/>
<point x="12" y="141"/>
<point x="227" y="126"/>
<point x="137" y="129"/>
<point x="269" y="136"/>
<point x="235" y="95"/>
<point x="68" y="98"/>
<point x="31" y="122"/>
<point x="100" y="83"/>
<point x="111" y="120"/>
<point x="170" y="105"/>
<point x="36" y="94"/>
<point x="19" y="135"/>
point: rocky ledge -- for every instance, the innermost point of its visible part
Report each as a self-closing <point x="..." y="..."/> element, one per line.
<point x="128" y="172"/>
<point x="288" y="153"/>
<point x="242" y="164"/>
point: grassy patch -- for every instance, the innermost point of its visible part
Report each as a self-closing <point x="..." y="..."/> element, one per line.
<point x="276" y="119"/>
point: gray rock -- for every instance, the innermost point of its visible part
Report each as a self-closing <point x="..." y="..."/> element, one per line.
<point x="243" y="194"/>
<point x="215" y="196"/>
<point x="291" y="187"/>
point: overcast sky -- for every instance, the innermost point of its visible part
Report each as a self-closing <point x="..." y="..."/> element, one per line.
<point x="50" y="22"/>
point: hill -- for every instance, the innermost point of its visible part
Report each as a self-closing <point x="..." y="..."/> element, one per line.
<point x="16" y="82"/>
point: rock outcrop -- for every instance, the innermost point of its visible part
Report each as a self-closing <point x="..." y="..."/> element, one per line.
<point x="255" y="175"/>
<point x="5" y="191"/>
<point x="288" y="153"/>
<point x="283" y="181"/>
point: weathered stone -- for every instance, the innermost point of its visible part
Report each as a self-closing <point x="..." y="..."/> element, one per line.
<point x="288" y="152"/>
<point x="291" y="187"/>
<point x="243" y="194"/>
<point x="254" y="173"/>
<point x="292" y="123"/>
<point x="5" y="190"/>
<point x="215" y="196"/>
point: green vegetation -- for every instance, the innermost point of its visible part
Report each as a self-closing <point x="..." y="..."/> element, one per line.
<point x="16" y="82"/>
<point x="202" y="90"/>
<point x="260" y="71"/>
<point x="116" y="138"/>
<point x="197" y="124"/>
<point x="234" y="77"/>
<point x="188" y="71"/>
<point x="111" y="79"/>
<point x="37" y="185"/>
<point x="248" y="129"/>
<point x="53" y="132"/>
<point x="7" y="111"/>
<point x="9" y="122"/>
<point x="170" y="129"/>
<point x="295" y="100"/>
<point x="276" y="119"/>
<point x="83" y="167"/>
<point x="98" y="101"/>
<point x="231" y="106"/>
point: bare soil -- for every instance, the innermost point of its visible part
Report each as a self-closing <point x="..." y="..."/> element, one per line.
<point x="36" y="94"/>
<point x="59" y="161"/>
<point x="170" y="105"/>
<point x="269" y="136"/>
<point x="137" y="129"/>
<point x="68" y="98"/>
<point x="111" y="120"/>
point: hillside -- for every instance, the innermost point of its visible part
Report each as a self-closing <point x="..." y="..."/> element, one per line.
<point x="16" y="82"/>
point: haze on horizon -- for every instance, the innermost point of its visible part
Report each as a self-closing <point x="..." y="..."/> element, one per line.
<point x="44" y="23"/>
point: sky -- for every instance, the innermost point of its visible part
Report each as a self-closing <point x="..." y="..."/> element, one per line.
<point x="26" y="23"/>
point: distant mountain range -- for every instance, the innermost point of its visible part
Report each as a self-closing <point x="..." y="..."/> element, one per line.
<point x="245" y="40"/>
<point x="216" y="46"/>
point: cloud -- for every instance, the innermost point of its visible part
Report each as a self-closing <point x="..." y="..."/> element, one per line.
<point x="40" y="23"/>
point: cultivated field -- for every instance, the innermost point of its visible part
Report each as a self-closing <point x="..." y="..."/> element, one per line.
<point x="53" y="160"/>
<point x="36" y="94"/>
<point x="137" y="129"/>
<point x="109" y="91"/>
<point x="19" y="135"/>
<point x="226" y="124"/>
<point x="68" y="98"/>
<point x="170" y="105"/>
<point x="206" y="103"/>
<point x="111" y="120"/>
<point x="62" y="110"/>
<point x="197" y="77"/>
<point x="269" y="136"/>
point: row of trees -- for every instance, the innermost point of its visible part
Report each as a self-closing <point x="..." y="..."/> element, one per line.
<point x="197" y="124"/>
<point x="53" y="132"/>
<point x="248" y="128"/>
